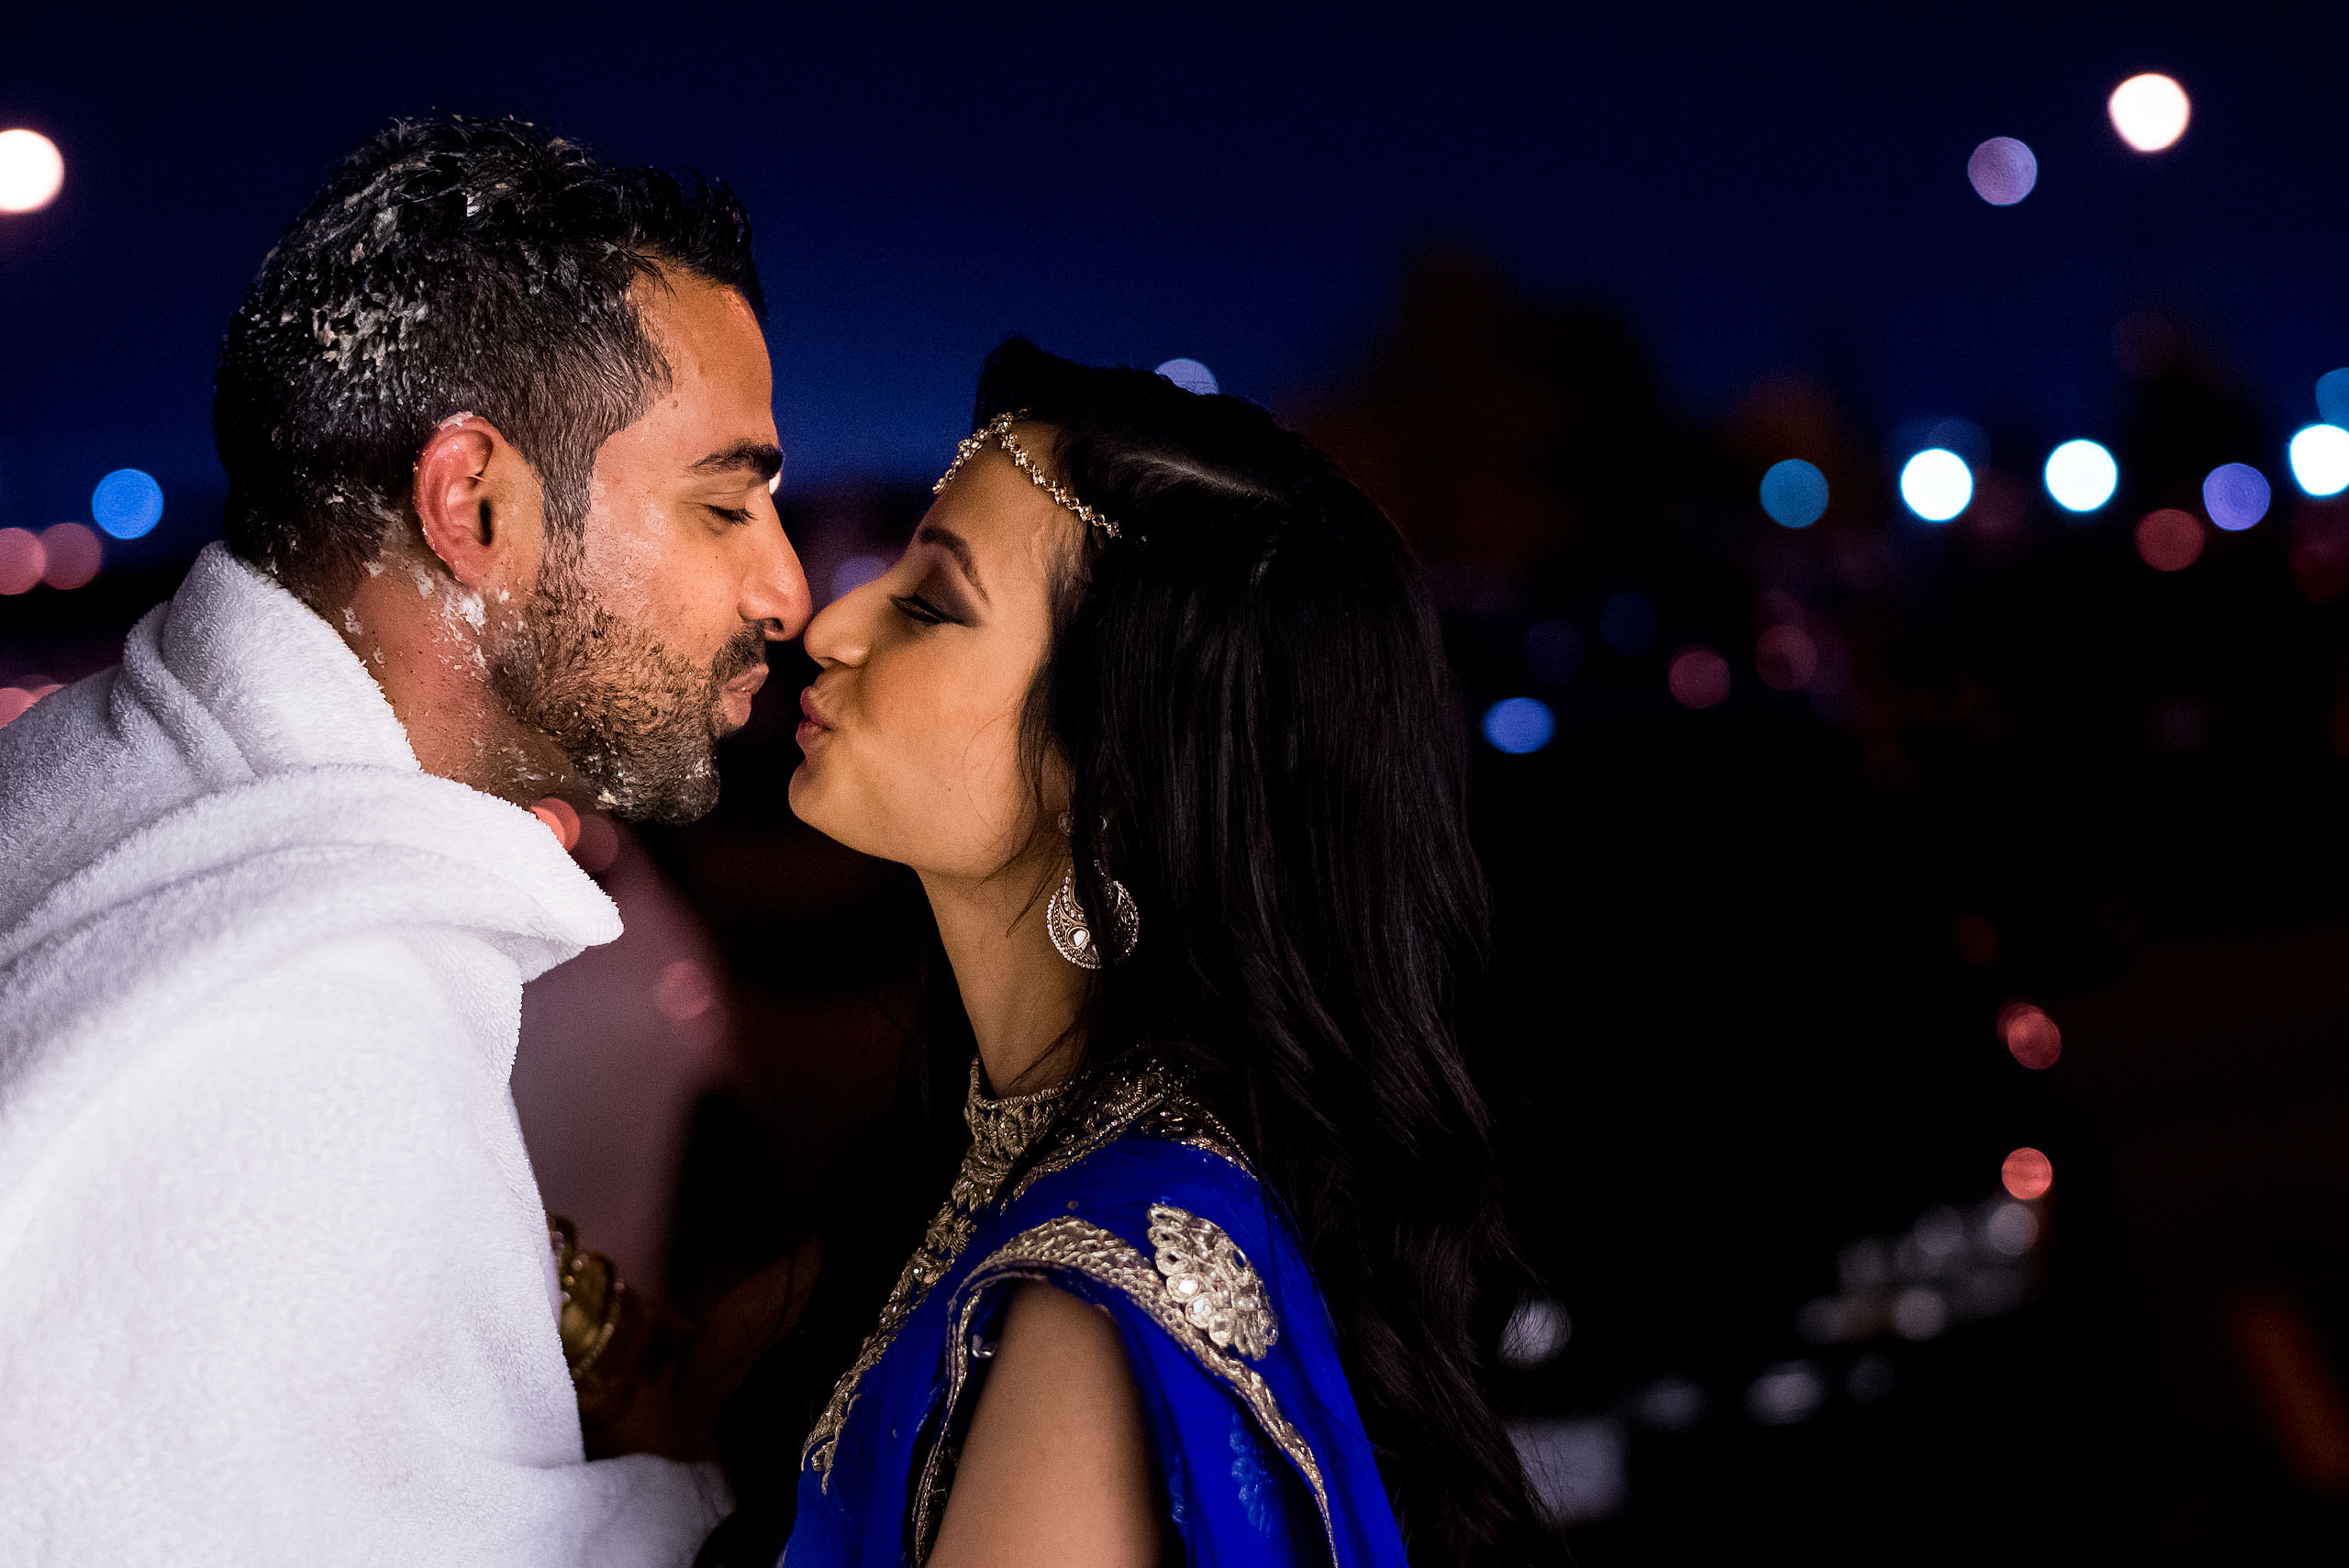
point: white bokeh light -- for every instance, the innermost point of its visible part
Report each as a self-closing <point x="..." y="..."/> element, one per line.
<point x="2082" y="476"/>
<point x="2319" y="459"/>
<point x="1936" y="484"/>
<point x="2149" y="111"/>
<point x="31" y="170"/>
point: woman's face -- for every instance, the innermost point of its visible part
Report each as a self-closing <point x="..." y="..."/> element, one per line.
<point x="912" y="728"/>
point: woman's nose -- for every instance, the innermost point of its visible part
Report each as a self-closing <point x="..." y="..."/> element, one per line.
<point x="839" y="633"/>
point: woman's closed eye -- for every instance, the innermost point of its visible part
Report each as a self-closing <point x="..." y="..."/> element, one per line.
<point x="920" y="611"/>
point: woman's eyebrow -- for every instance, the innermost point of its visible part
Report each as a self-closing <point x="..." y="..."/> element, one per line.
<point x="956" y="546"/>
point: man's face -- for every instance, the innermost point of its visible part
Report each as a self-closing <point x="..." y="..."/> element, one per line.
<point x="646" y="638"/>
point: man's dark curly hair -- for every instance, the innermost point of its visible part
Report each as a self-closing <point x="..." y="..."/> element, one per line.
<point x="450" y="266"/>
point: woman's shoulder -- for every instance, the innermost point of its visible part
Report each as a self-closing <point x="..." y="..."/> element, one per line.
<point x="1153" y="1214"/>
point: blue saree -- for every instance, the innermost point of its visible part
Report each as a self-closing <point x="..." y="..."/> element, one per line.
<point x="1146" y="1209"/>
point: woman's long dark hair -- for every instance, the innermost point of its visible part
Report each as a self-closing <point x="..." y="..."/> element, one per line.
<point x="1251" y="701"/>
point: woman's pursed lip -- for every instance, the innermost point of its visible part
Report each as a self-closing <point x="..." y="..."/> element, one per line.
<point x="809" y="711"/>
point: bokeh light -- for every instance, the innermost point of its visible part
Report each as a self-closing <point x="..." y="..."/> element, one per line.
<point x="1964" y="437"/>
<point x="2169" y="540"/>
<point x="2150" y="111"/>
<point x="1786" y="658"/>
<point x="1936" y="484"/>
<point x="1785" y="1394"/>
<point x="127" y="503"/>
<point x="1794" y="493"/>
<point x="598" y="845"/>
<point x="1519" y="724"/>
<point x="1699" y="678"/>
<point x="684" y="990"/>
<point x="2333" y="397"/>
<point x="2081" y="476"/>
<point x="72" y="555"/>
<point x="1670" y="1404"/>
<point x="1871" y="1379"/>
<point x="2012" y="1229"/>
<point x="562" y="818"/>
<point x="16" y="699"/>
<point x="2319" y="459"/>
<point x="856" y="573"/>
<point x="1537" y="1331"/>
<point x="1190" y="375"/>
<point x="1920" y="1312"/>
<point x="2027" y="1174"/>
<point x="2029" y="1035"/>
<point x="22" y="561"/>
<point x="2236" y="495"/>
<point x="31" y="170"/>
<point x="1628" y="623"/>
<point x="2002" y="171"/>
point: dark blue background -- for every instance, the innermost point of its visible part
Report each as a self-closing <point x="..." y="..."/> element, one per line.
<point x="1762" y="188"/>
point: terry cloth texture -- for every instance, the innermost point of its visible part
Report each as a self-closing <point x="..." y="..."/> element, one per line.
<point x="274" y="1285"/>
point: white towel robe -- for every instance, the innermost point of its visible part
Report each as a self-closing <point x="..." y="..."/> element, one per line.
<point x="274" y="1286"/>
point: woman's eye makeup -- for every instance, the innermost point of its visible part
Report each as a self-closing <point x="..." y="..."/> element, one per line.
<point x="916" y="609"/>
<point x="934" y="603"/>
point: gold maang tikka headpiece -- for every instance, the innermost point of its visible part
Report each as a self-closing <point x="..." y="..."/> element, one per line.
<point x="998" y="433"/>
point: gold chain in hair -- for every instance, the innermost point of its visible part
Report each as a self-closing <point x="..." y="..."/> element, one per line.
<point x="998" y="433"/>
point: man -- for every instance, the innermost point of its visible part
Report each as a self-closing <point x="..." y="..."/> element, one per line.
<point x="274" y="1283"/>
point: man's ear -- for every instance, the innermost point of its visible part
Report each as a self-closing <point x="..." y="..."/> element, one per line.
<point x="477" y="503"/>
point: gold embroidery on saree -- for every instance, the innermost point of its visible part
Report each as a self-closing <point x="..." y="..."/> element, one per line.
<point x="1077" y="1246"/>
<point x="1211" y="1280"/>
<point x="1001" y="1130"/>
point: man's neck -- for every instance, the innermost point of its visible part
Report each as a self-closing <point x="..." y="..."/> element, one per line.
<point x="423" y="636"/>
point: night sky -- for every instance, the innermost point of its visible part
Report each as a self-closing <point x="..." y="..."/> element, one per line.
<point x="1760" y="188"/>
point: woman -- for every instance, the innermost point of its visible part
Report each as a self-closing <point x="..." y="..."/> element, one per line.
<point x="1151" y="708"/>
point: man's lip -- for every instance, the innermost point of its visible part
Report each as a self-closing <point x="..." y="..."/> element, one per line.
<point x="749" y="682"/>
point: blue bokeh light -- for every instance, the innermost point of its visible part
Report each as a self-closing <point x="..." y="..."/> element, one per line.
<point x="1629" y="624"/>
<point x="128" y="503"/>
<point x="856" y="573"/>
<point x="2333" y="397"/>
<point x="1190" y="375"/>
<point x="2081" y="476"/>
<point x="2236" y="495"/>
<point x="1519" y="724"/>
<point x="1964" y="437"/>
<point x="1794" y="493"/>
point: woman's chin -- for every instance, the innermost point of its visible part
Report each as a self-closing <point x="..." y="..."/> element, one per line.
<point x="803" y="793"/>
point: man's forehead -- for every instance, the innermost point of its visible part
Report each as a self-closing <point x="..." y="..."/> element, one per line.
<point x="716" y="416"/>
<point x="692" y="318"/>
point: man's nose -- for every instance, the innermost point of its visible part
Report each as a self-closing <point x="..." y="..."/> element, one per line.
<point x="775" y="593"/>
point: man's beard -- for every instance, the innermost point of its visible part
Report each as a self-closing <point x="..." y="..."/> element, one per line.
<point x="639" y="725"/>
